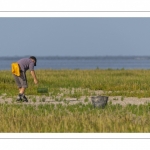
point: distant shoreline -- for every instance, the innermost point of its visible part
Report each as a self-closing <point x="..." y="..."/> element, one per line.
<point x="57" y="56"/>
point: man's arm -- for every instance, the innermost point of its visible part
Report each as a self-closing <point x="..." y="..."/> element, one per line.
<point x="34" y="76"/>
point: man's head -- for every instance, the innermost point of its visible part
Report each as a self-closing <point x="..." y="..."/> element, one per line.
<point x="33" y="58"/>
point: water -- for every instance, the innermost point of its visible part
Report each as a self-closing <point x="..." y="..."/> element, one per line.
<point x="101" y="62"/>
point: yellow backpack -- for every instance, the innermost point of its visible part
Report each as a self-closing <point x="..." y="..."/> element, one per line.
<point x="15" y="69"/>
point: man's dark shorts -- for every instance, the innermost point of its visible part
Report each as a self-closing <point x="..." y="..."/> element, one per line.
<point x="21" y="81"/>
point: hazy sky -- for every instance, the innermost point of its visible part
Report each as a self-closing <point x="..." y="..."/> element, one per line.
<point x="74" y="36"/>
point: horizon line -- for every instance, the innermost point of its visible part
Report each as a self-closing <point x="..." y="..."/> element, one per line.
<point x="79" y="56"/>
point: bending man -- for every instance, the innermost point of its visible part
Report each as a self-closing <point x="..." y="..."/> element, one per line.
<point x="21" y="81"/>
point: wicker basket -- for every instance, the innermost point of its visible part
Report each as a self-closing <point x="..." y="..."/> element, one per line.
<point x="99" y="101"/>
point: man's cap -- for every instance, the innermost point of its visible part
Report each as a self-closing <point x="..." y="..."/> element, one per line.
<point x="34" y="58"/>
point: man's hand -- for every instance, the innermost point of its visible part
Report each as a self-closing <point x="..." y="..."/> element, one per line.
<point x="34" y="76"/>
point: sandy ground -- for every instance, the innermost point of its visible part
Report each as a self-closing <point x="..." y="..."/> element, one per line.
<point x="35" y="100"/>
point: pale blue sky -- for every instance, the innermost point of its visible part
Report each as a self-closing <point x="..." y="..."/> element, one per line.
<point x="74" y="36"/>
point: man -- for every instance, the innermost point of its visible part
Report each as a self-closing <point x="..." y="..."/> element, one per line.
<point x="21" y="81"/>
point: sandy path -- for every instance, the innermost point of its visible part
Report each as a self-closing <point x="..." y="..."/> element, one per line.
<point x="47" y="100"/>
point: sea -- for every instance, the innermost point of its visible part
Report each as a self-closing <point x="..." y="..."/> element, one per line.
<point x="80" y="62"/>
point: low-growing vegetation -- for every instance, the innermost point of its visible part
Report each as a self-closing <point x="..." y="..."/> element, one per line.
<point x="113" y="82"/>
<point x="74" y="118"/>
<point x="78" y="117"/>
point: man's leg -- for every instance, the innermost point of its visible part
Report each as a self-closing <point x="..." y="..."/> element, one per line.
<point x="22" y="90"/>
<point x="17" y="80"/>
<point x="22" y="85"/>
<point x="21" y="95"/>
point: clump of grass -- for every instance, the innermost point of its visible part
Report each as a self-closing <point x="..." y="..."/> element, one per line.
<point x="34" y="100"/>
<point x="115" y="98"/>
<point x="86" y="99"/>
<point x="42" y="99"/>
<point x="122" y="98"/>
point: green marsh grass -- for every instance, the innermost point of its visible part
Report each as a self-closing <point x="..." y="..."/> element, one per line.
<point x="77" y="118"/>
<point x="77" y="83"/>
